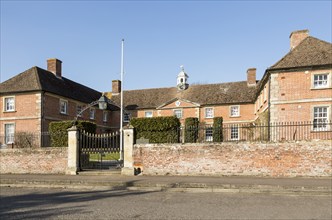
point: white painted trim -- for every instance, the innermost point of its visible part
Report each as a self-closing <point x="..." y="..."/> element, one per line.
<point x="19" y="118"/>
<point x="67" y="106"/>
<point x="4" y="103"/>
<point x="205" y="112"/>
<point x="329" y="83"/>
<point x="177" y="99"/>
<point x="230" y="111"/>
<point x="329" y="114"/>
<point x="178" y="109"/>
<point x="107" y="116"/>
<point x="4" y="130"/>
<point x="151" y="111"/>
<point x="302" y="101"/>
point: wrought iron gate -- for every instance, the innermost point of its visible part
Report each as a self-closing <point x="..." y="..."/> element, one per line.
<point x="99" y="151"/>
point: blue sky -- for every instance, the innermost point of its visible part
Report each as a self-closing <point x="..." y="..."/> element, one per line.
<point x="216" y="41"/>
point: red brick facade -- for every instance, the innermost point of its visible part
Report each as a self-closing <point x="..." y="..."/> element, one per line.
<point x="296" y="88"/>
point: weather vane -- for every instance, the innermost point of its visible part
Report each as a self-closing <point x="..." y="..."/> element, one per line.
<point x="182" y="68"/>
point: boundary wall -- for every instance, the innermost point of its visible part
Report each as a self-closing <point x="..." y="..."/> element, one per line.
<point x="34" y="160"/>
<point x="289" y="159"/>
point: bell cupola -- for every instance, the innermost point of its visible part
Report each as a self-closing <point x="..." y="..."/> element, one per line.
<point x="182" y="80"/>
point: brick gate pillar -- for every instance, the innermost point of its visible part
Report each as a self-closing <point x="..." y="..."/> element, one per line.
<point x="73" y="151"/>
<point x="128" y="147"/>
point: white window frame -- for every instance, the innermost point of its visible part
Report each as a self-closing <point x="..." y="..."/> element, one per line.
<point x="230" y="111"/>
<point x="178" y="113"/>
<point x="233" y="132"/>
<point x="328" y="80"/>
<point x="92" y="114"/>
<point x="9" y="138"/>
<point x="78" y="110"/>
<point x="322" y="119"/>
<point x="126" y="117"/>
<point x="148" y="114"/>
<point x="9" y="107"/>
<point x="65" y="110"/>
<point x="209" y="112"/>
<point x="105" y="116"/>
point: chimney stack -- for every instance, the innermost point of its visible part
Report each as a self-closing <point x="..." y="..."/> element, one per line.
<point x="116" y="87"/>
<point x="296" y="37"/>
<point x="251" y="77"/>
<point x="54" y="66"/>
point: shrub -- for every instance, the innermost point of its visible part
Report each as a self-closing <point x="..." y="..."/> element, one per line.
<point x="217" y="129"/>
<point x="191" y="130"/>
<point x="59" y="134"/>
<point x="157" y="129"/>
<point x="25" y="140"/>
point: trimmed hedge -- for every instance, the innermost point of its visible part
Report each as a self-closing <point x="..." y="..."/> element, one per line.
<point x="217" y="129"/>
<point x="59" y="134"/>
<point x="191" y="130"/>
<point x="157" y="129"/>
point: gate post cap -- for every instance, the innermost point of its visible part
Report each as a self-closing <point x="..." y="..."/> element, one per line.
<point x="72" y="128"/>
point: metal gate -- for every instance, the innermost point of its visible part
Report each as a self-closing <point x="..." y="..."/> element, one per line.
<point x="99" y="151"/>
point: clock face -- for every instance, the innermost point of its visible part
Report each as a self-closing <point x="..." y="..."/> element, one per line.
<point x="177" y="103"/>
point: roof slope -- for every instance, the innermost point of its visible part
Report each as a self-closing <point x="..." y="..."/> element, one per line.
<point x="38" y="79"/>
<point x="206" y="94"/>
<point x="310" y="52"/>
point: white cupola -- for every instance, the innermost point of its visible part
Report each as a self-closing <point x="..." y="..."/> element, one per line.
<point x="182" y="80"/>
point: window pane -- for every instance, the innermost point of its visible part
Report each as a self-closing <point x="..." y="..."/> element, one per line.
<point x="9" y="133"/>
<point x="235" y="111"/>
<point x="209" y="113"/>
<point x="234" y="132"/>
<point x="209" y="134"/>
<point x="320" y="118"/>
<point x="63" y="107"/>
<point x="320" y="80"/>
<point x="78" y="110"/>
<point x="178" y="113"/>
<point x="105" y="114"/>
<point x="92" y="114"/>
<point x="148" y="114"/>
<point x="9" y="104"/>
<point x="126" y="117"/>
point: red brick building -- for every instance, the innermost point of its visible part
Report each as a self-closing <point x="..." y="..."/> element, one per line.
<point x="297" y="88"/>
<point x="31" y="100"/>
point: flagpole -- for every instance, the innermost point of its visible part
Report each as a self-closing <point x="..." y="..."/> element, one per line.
<point x="121" y="105"/>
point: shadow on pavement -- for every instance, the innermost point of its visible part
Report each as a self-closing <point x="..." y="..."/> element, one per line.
<point x="65" y="202"/>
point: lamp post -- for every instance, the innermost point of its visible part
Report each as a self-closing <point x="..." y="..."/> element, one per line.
<point x="101" y="102"/>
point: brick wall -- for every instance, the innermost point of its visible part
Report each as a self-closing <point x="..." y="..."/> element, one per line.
<point x="312" y="159"/>
<point x="36" y="161"/>
<point x="293" y="96"/>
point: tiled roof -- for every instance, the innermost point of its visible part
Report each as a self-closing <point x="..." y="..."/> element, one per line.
<point x="206" y="94"/>
<point x="37" y="79"/>
<point x="310" y="52"/>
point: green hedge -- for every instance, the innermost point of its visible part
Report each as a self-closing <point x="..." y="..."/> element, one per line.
<point x="191" y="130"/>
<point x="59" y="134"/>
<point x="157" y="129"/>
<point x="217" y="129"/>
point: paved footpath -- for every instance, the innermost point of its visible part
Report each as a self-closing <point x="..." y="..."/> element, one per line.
<point x="305" y="186"/>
